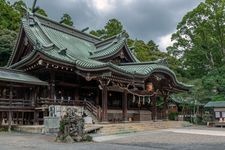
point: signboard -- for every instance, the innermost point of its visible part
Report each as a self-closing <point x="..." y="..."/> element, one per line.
<point x="217" y="114"/>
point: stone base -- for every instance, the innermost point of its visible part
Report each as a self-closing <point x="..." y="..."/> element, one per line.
<point x="51" y="124"/>
<point x="29" y="128"/>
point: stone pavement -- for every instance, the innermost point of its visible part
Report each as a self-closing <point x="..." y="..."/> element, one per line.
<point x="183" y="131"/>
<point x="199" y="132"/>
<point x="162" y="139"/>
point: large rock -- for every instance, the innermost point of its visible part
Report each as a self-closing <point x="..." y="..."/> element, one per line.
<point x="71" y="127"/>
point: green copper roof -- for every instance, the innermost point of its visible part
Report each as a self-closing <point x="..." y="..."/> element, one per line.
<point x="83" y="51"/>
<point x="216" y="104"/>
<point x="9" y="75"/>
<point x="109" y="49"/>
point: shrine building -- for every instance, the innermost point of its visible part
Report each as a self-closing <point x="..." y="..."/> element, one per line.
<point x="54" y="64"/>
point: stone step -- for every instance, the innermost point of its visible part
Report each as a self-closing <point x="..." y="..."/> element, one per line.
<point x="109" y="129"/>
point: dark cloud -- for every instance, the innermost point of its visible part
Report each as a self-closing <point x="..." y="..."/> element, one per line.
<point x="143" y="19"/>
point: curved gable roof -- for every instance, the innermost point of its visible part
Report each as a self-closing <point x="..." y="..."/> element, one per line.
<point x="79" y="49"/>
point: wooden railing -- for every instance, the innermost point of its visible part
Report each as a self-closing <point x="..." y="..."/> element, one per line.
<point x="95" y="110"/>
<point x="15" y="103"/>
<point x="48" y="101"/>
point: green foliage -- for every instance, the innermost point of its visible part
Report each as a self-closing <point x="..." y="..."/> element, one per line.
<point x="144" y="51"/>
<point x="214" y="84"/>
<point x="62" y="124"/>
<point x="112" y="27"/>
<point x="9" y="17"/>
<point x="200" y="47"/>
<point x="199" y="40"/>
<point x="87" y="138"/>
<point x="7" y="40"/>
<point x="40" y="11"/>
<point x="173" y="116"/>
<point x="3" y="129"/>
<point x="66" y="19"/>
<point x="19" y="6"/>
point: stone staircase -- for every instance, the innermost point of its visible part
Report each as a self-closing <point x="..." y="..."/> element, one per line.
<point x="122" y="128"/>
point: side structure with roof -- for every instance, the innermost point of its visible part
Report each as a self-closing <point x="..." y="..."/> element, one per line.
<point x="74" y="68"/>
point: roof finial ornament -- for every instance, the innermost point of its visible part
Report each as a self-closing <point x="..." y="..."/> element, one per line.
<point x="162" y="61"/>
<point x="133" y="45"/>
<point x="38" y="45"/>
<point x="34" y="5"/>
<point x="123" y="34"/>
<point x="102" y="36"/>
<point x="85" y="29"/>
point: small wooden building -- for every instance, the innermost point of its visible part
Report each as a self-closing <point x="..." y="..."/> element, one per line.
<point x="54" y="64"/>
<point x="218" y="111"/>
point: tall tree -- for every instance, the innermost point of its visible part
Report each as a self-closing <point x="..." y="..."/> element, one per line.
<point x="153" y="45"/>
<point x="112" y="27"/>
<point x="7" y="40"/>
<point x="40" y="11"/>
<point x="9" y="17"/>
<point x="66" y="19"/>
<point x="19" y="6"/>
<point x="199" y="40"/>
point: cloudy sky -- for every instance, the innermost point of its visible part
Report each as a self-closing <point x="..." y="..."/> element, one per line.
<point x="143" y="19"/>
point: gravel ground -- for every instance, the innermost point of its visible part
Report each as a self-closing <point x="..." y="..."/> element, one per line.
<point x="174" y="141"/>
<point x="155" y="140"/>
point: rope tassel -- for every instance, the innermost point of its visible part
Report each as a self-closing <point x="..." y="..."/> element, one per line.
<point x="149" y="100"/>
<point x="133" y="99"/>
<point x="143" y="98"/>
<point x="139" y="101"/>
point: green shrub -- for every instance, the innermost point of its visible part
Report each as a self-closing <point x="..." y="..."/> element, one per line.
<point x="173" y="115"/>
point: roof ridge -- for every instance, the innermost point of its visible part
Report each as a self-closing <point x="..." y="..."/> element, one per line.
<point x="15" y="45"/>
<point x="109" y="45"/>
<point x="157" y="62"/>
<point x="104" y="42"/>
<point x="10" y="69"/>
<point x="137" y="63"/>
<point x="64" y="26"/>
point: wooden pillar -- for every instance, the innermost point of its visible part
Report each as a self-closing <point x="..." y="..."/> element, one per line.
<point x="10" y="112"/>
<point x="52" y="85"/>
<point x="104" y="102"/>
<point x="22" y="118"/>
<point x="154" y="108"/>
<point x="97" y="98"/>
<point x="36" y="116"/>
<point x="76" y="94"/>
<point x="36" y="96"/>
<point x="124" y="105"/>
<point x="165" y="107"/>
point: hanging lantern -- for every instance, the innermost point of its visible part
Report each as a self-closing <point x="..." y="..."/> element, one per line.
<point x="149" y="87"/>
<point x="139" y="100"/>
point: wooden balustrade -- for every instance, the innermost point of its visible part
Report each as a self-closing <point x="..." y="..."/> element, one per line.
<point x="6" y="103"/>
<point x="15" y="103"/>
<point x="95" y="110"/>
<point x="48" y="101"/>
